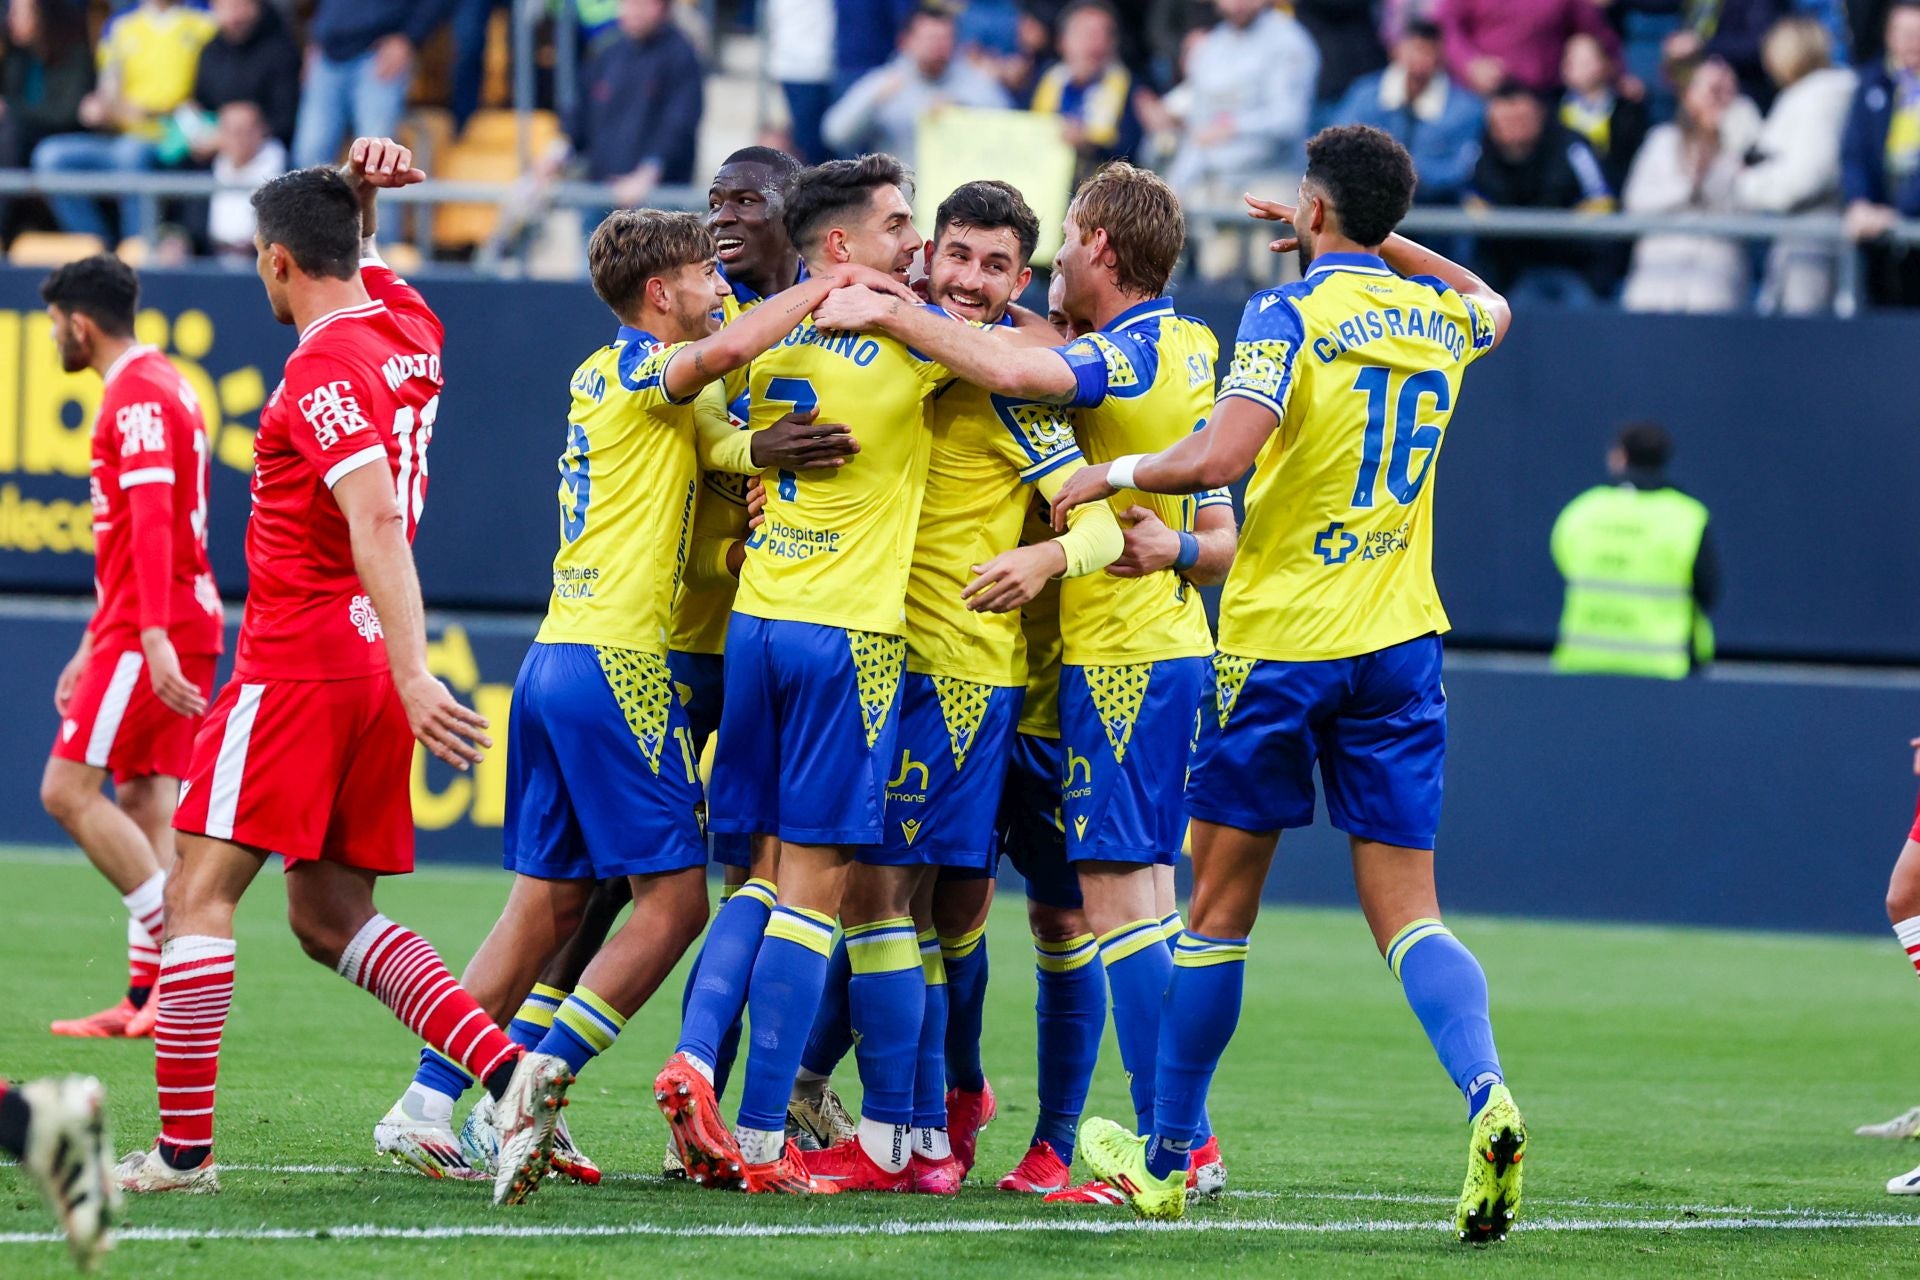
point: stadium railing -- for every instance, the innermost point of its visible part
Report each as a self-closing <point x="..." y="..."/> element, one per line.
<point x="524" y="203"/>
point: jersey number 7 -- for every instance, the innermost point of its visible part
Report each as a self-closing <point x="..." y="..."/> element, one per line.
<point x="799" y="393"/>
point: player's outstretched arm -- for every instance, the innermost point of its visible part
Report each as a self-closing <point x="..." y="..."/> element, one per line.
<point x="384" y="562"/>
<point x="757" y="331"/>
<point x="373" y="163"/>
<point x="1201" y="557"/>
<point x="1211" y="458"/>
<point x="1093" y="541"/>
<point x="983" y="357"/>
<point x="1409" y="258"/>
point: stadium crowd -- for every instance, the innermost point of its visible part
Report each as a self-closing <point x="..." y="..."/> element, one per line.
<point x="1647" y="106"/>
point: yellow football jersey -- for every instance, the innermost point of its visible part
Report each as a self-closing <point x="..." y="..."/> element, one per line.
<point x="1362" y="367"/>
<point x="986" y="451"/>
<point x="1144" y="383"/>
<point x="155" y="54"/>
<point x="1040" y="641"/>
<point x="837" y="543"/>
<point x="626" y="500"/>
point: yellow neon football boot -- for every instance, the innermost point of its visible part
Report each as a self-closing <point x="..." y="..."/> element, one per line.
<point x="1492" y="1194"/>
<point x="1119" y="1157"/>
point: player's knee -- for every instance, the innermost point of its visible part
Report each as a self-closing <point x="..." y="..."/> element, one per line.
<point x="1055" y="924"/>
<point x="62" y="797"/>
<point x="323" y="935"/>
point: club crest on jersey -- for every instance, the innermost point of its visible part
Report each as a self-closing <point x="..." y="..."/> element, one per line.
<point x="361" y="614"/>
<point x="1260" y="366"/>
<point x="142" y="430"/>
<point x="333" y="411"/>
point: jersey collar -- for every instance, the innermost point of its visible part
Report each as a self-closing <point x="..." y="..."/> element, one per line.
<point x="127" y="357"/>
<point x="1151" y="308"/>
<point x="628" y="333"/>
<point x="1366" y="263"/>
<point x="370" y="307"/>
<point x="745" y="296"/>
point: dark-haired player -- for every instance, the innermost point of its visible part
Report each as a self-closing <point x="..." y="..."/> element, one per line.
<point x="1341" y="389"/>
<point x="133" y="693"/>
<point x="307" y="751"/>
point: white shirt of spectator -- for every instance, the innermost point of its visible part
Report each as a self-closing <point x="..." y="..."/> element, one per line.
<point x="230" y="214"/>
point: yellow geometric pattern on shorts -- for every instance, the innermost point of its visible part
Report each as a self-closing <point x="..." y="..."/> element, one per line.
<point x="643" y="687"/>
<point x="1117" y="695"/>
<point x="878" y="661"/>
<point x="1229" y="676"/>
<point x="963" y="705"/>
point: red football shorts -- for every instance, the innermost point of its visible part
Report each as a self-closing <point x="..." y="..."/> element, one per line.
<point x="116" y="721"/>
<point x="306" y="769"/>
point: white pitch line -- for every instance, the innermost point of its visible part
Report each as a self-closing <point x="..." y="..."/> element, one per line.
<point x="899" y="1228"/>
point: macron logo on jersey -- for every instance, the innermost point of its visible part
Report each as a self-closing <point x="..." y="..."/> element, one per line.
<point x="142" y="429"/>
<point x="332" y="410"/>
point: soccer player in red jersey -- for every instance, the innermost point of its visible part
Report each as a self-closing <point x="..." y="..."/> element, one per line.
<point x="307" y="751"/>
<point x="133" y="693"/>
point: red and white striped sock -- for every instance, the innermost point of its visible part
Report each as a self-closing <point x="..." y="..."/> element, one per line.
<point x="1908" y="931"/>
<point x="403" y="970"/>
<point x="146" y="920"/>
<point x="195" y="995"/>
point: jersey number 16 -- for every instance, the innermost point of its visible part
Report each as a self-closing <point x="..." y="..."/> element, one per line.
<point x="1410" y="435"/>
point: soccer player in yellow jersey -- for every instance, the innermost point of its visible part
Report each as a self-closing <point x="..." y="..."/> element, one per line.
<point x="600" y="767"/>
<point x="1135" y="648"/>
<point x="960" y="700"/>
<point x="1341" y="390"/>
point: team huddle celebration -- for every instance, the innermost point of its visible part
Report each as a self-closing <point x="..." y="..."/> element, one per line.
<point x="867" y="579"/>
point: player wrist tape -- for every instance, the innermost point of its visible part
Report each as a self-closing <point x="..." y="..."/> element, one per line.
<point x="1189" y="553"/>
<point x="1120" y="470"/>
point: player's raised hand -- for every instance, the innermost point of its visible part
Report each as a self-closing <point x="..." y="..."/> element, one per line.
<point x="855" y="309"/>
<point x="1089" y="484"/>
<point x="382" y="162"/>
<point x="1274" y="211"/>
<point x="1150" y="545"/>
<point x="1012" y="578"/>
<point x="798" y="443"/>
<point x="177" y="693"/>
<point x="443" y="726"/>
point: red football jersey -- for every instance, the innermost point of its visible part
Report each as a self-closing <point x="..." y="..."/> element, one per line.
<point x="149" y="483"/>
<point x="362" y="388"/>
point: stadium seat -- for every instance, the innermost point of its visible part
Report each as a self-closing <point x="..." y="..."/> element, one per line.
<point x="429" y="131"/>
<point x="461" y="226"/>
<point x="133" y="251"/>
<point x="401" y="255"/>
<point x="499" y="130"/>
<point x="52" y="248"/>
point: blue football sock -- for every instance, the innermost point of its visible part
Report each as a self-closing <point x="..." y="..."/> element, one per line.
<point x="728" y="1053"/>
<point x="1201" y="1009"/>
<point x="1070" y="1009"/>
<point x="441" y="1075"/>
<point x="965" y="961"/>
<point x="1171" y="927"/>
<point x="585" y="1027"/>
<point x="529" y="1025"/>
<point x="717" y="991"/>
<point x="1139" y="964"/>
<point x="887" y="996"/>
<point x="783" y="997"/>
<point x="930" y="1071"/>
<point x="1448" y="992"/>
<point x="832" y="1034"/>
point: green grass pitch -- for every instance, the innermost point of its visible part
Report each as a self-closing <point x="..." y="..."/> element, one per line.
<point x="1691" y="1094"/>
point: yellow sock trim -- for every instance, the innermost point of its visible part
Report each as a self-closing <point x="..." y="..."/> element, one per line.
<point x="591" y="1018"/>
<point x="1199" y="953"/>
<point x="1065" y="957"/>
<point x="1129" y="939"/>
<point x="540" y="1005"/>
<point x="1171" y="927"/>
<point x="1404" y="940"/>
<point x="810" y="929"/>
<point x="885" y="946"/>
<point x="959" y="948"/>
<point x="764" y="891"/>
<point x="932" y="963"/>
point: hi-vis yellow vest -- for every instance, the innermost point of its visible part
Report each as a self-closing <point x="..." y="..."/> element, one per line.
<point x="1627" y="556"/>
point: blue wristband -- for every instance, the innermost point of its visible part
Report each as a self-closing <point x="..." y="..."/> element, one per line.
<point x="1189" y="553"/>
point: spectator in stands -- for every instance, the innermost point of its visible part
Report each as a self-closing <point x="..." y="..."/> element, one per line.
<point x="1018" y="70"/>
<point x="147" y="58"/>
<point x="1349" y="44"/>
<point x="360" y="57"/>
<point x="472" y="20"/>
<point x="1880" y="159"/>
<point x="800" y="59"/>
<point x="882" y="111"/>
<point x="1530" y="161"/>
<point x="1090" y="89"/>
<point x="1597" y="106"/>
<point x="638" y="115"/>
<point x="866" y="35"/>
<point x="246" y="155"/>
<point x="1730" y="30"/>
<point x="1689" y="166"/>
<point x="253" y="59"/>
<point x="1640" y="568"/>
<point x="45" y="71"/>
<point x="1417" y="102"/>
<point x="1494" y="42"/>
<point x="1249" y="105"/>
<point x="1794" y="165"/>
<point x="1867" y="30"/>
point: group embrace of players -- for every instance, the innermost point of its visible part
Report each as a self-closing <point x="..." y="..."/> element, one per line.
<point x="917" y="574"/>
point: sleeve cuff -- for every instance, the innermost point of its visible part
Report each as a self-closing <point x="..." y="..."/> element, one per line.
<point x="347" y="466"/>
<point x="146" y="475"/>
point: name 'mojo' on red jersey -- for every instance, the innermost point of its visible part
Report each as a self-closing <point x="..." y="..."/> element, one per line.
<point x="362" y="388"/>
<point x="149" y="484"/>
